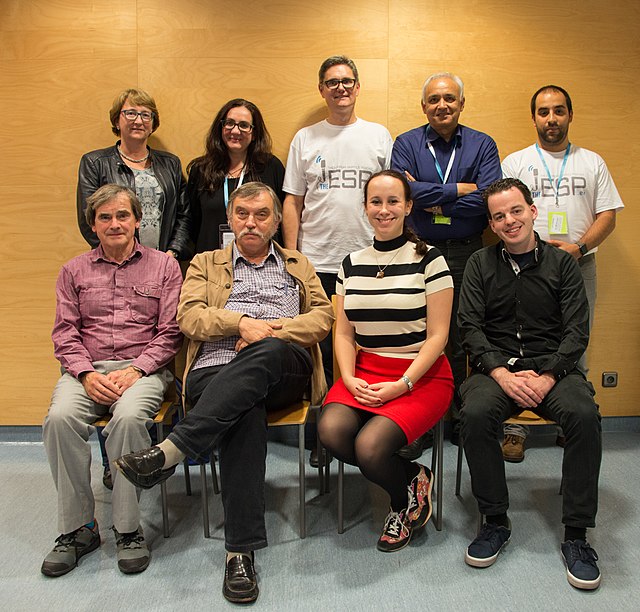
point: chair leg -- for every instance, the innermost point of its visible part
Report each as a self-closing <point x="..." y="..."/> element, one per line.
<point x="187" y="476"/>
<point x="205" y="499"/>
<point x="459" y="467"/>
<point x="438" y="464"/>
<point x="163" y="489"/>
<point x="214" y="474"/>
<point x="480" y="521"/>
<point x="303" y="518"/>
<point x="321" y="464"/>
<point x="340" y="497"/>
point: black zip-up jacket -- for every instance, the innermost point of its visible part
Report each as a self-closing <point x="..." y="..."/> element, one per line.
<point x="536" y="318"/>
<point x="104" y="166"/>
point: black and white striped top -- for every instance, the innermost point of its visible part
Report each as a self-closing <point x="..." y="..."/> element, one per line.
<point x="389" y="314"/>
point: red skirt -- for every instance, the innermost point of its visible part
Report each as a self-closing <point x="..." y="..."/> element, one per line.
<point x="416" y="412"/>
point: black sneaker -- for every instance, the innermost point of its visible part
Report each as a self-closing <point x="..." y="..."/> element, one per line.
<point x="107" y="480"/>
<point x="484" y="550"/>
<point x="68" y="550"/>
<point x="580" y="561"/>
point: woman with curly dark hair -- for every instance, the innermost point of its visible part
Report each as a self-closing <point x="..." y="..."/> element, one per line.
<point x="237" y="150"/>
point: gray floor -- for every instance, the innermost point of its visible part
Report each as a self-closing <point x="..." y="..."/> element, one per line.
<point x="327" y="571"/>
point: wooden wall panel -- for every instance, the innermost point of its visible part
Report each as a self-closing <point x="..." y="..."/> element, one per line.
<point x="63" y="62"/>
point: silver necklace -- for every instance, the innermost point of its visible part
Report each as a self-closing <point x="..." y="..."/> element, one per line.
<point x="134" y="161"/>
<point x="381" y="270"/>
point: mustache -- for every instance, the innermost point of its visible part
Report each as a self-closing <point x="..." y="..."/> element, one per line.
<point x="247" y="232"/>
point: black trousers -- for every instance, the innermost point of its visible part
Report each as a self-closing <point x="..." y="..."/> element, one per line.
<point x="230" y="404"/>
<point x="570" y="403"/>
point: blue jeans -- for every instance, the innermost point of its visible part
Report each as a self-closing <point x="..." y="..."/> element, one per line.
<point x="230" y="404"/>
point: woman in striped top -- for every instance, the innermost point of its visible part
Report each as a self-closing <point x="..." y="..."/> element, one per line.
<point x="393" y="308"/>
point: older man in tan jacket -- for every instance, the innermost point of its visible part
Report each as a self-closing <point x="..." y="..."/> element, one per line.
<point x="254" y="313"/>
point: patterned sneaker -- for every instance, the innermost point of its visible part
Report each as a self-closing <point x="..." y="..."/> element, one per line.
<point x="580" y="561"/>
<point x="419" y="489"/>
<point x="68" y="550"/>
<point x="484" y="550"/>
<point x="132" y="554"/>
<point x="396" y="532"/>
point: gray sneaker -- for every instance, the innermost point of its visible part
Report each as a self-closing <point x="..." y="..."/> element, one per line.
<point x="132" y="554"/>
<point x="68" y="550"/>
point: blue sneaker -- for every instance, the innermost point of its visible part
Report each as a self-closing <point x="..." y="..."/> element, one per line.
<point x="484" y="550"/>
<point x="580" y="560"/>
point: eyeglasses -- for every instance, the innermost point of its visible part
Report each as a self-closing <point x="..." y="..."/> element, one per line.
<point x="334" y="83"/>
<point x="243" y="126"/>
<point x="132" y="115"/>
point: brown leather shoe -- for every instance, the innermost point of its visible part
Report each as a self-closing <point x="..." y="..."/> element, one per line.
<point x="240" y="582"/>
<point x="513" y="448"/>
<point x="144" y="468"/>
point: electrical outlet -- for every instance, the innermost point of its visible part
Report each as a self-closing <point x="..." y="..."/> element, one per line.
<point x="609" y="379"/>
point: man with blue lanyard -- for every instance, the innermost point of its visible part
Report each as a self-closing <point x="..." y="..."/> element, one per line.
<point x="448" y="166"/>
<point x="576" y="199"/>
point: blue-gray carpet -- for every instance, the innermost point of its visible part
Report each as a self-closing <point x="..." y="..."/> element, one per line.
<point x="327" y="571"/>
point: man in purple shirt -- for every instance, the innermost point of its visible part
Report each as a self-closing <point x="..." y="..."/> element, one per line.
<point x="448" y="165"/>
<point x="115" y="332"/>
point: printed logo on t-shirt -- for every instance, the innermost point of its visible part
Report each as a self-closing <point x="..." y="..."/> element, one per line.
<point x="340" y="178"/>
<point x="542" y="187"/>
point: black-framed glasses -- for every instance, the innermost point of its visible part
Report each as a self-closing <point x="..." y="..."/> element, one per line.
<point x="334" y="83"/>
<point x="243" y="126"/>
<point x="131" y="115"/>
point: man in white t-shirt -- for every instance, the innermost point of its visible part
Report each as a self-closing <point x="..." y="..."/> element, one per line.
<point x="576" y="199"/>
<point x="329" y="162"/>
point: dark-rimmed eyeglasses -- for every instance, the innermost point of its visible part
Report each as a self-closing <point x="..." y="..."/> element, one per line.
<point x="132" y="115"/>
<point x="334" y="83"/>
<point x="243" y="126"/>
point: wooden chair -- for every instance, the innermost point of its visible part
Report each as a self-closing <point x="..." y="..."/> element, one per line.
<point x="436" y="458"/>
<point x="163" y="418"/>
<point x="293" y="415"/>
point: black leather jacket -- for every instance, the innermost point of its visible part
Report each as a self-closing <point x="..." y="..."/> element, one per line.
<point x="104" y="166"/>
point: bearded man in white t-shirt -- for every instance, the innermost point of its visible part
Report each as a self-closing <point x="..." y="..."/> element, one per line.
<point x="576" y="198"/>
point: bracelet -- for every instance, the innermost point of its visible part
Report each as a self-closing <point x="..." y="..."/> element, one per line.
<point x="407" y="381"/>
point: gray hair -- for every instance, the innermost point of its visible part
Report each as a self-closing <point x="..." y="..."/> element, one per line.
<point x="443" y="75"/>
<point x="105" y="194"/>
<point x="250" y="191"/>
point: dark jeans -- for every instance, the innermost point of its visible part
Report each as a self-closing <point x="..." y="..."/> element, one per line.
<point x="570" y="403"/>
<point x="230" y="404"/>
<point x="456" y="254"/>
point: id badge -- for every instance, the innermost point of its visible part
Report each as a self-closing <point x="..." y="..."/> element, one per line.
<point x="557" y="222"/>
<point x="440" y="220"/>
<point x="225" y="235"/>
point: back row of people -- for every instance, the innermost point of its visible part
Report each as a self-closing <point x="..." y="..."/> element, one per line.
<point x="443" y="169"/>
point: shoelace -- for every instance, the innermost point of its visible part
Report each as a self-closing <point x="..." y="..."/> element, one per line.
<point x="394" y="524"/>
<point x="513" y="439"/>
<point x="581" y="551"/>
<point x="488" y="532"/>
<point x="130" y="540"/>
<point x="66" y="540"/>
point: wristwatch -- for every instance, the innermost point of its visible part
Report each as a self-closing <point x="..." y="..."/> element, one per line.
<point x="583" y="248"/>
<point x="137" y="369"/>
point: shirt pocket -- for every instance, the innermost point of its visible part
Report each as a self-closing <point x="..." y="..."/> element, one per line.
<point x="144" y="303"/>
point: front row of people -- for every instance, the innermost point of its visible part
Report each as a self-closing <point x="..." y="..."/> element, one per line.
<point x="254" y="313"/>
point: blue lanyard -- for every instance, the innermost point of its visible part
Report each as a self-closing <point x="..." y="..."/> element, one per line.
<point x="445" y="176"/>
<point x="226" y="187"/>
<point x="556" y="189"/>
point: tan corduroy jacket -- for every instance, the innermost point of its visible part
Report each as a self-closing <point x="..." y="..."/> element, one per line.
<point x="207" y="287"/>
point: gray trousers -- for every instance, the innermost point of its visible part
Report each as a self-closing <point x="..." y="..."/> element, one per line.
<point x="66" y="432"/>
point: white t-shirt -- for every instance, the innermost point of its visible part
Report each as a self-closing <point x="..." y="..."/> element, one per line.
<point x="329" y="165"/>
<point x="586" y="189"/>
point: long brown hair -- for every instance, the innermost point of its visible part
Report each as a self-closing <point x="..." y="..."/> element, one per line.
<point x="214" y="164"/>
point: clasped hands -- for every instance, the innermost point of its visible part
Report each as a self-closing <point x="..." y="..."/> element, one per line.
<point x="106" y="389"/>
<point x="526" y="388"/>
<point x="376" y="394"/>
<point x="252" y="330"/>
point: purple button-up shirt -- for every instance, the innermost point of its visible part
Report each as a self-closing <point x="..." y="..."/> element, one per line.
<point x="110" y="311"/>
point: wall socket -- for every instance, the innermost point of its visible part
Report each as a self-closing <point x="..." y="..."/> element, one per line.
<point x="609" y="379"/>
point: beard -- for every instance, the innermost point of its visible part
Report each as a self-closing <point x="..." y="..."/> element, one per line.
<point x="553" y="139"/>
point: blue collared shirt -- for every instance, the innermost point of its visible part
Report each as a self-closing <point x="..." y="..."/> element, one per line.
<point x="476" y="161"/>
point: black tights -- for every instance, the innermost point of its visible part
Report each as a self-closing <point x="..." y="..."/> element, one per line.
<point x="369" y="441"/>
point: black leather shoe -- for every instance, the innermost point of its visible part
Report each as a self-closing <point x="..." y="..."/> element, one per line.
<point x="144" y="468"/>
<point x="414" y="450"/>
<point x="240" y="583"/>
<point x="107" y="481"/>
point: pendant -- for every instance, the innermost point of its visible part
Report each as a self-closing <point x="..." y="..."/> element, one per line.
<point x="380" y="274"/>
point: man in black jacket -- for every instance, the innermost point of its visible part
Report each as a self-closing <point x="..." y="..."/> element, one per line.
<point x="524" y="321"/>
